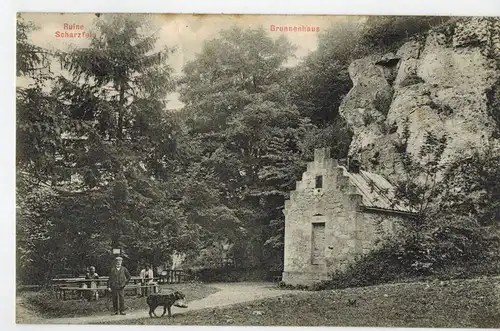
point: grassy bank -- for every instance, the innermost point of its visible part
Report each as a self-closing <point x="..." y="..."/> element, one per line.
<point x="47" y="306"/>
<point x="449" y="304"/>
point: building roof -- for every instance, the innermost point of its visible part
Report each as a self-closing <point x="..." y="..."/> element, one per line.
<point x="377" y="192"/>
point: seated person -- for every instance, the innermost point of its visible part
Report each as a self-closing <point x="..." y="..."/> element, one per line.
<point x="92" y="275"/>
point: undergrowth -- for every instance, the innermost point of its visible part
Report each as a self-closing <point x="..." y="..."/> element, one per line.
<point x="47" y="305"/>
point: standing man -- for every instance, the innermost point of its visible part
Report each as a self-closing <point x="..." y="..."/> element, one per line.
<point x="118" y="279"/>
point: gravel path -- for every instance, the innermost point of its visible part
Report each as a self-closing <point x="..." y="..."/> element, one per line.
<point x="228" y="294"/>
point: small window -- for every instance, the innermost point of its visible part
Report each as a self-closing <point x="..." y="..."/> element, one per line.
<point x="319" y="181"/>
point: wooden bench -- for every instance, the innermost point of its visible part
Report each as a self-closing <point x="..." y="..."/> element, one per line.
<point x="29" y="287"/>
<point x="63" y="285"/>
<point x="62" y="290"/>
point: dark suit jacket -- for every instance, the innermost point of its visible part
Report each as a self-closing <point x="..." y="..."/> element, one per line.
<point x="118" y="278"/>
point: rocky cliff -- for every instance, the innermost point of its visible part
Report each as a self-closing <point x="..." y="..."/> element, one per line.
<point x="446" y="83"/>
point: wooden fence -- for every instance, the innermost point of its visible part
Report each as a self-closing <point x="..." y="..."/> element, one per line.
<point x="172" y="277"/>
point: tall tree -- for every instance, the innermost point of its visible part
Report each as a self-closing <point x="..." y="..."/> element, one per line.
<point x="117" y="144"/>
<point x="321" y="80"/>
<point x="116" y="98"/>
<point x="39" y="125"/>
<point x="249" y="129"/>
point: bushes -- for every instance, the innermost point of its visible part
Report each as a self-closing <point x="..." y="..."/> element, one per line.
<point x="48" y="305"/>
<point x="413" y="258"/>
<point x="228" y="274"/>
<point x="387" y="33"/>
<point x="376" y="267"/>
<point x="444" y="252"/>
<point x="368" y="118"/>
<point x="299" y="287"/>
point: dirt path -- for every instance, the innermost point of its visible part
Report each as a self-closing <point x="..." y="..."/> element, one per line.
<point x="228" y="294"/>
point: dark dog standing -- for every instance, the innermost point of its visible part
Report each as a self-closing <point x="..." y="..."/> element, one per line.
<point x="167" y="300"/>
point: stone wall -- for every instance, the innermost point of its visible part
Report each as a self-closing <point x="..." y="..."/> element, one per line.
<point x="348" y="230"/>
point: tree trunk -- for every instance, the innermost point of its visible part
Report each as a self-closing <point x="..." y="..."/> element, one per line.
<point x="121" y="111"/>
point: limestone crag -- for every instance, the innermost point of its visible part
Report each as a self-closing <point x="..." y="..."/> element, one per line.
<point x="440" y="84"/>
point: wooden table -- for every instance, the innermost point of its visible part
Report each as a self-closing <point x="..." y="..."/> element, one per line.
<point x="63" y="285"/>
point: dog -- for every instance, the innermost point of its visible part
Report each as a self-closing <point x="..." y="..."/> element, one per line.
<point x="167" y="300"/>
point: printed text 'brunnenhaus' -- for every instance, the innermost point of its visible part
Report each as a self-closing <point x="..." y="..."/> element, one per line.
<point x="294" y="28"/>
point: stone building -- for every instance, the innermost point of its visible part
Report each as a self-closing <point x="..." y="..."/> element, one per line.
<point x="333" y="215"/>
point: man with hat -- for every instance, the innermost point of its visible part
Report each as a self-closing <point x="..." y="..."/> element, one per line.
<point x="118" y="279"/>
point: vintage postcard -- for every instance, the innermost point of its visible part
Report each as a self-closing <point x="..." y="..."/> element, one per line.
<point x="258" y="170"/>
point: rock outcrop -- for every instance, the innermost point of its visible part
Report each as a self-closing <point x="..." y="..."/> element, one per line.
<point x="447" y="83"/>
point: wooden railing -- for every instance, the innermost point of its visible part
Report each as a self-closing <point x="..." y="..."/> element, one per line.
<point x="171" y="276"/>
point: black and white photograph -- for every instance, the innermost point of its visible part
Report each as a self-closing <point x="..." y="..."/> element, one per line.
<point x="257" y="170"/>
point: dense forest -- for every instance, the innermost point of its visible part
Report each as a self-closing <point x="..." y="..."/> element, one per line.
<point x="101" y="161"/>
